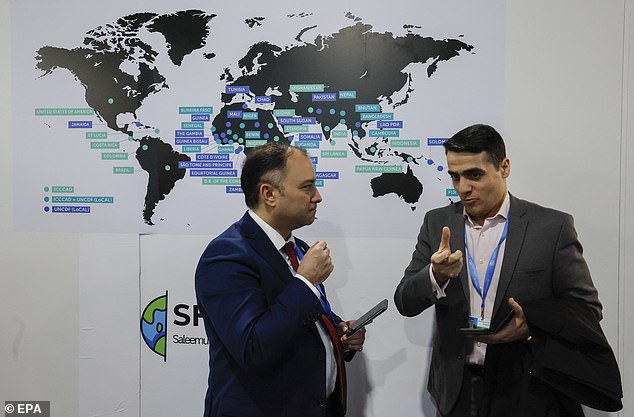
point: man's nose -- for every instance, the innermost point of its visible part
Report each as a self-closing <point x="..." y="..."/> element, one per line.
<point x="317" y="196"/>
<point x="462" y="186"/>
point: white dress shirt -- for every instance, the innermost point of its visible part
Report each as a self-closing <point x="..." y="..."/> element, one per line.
<point x="481" y="241"/>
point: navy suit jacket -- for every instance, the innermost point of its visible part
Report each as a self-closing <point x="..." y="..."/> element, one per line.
<point x="542" y="259"/>
<point x="266" y="357"/>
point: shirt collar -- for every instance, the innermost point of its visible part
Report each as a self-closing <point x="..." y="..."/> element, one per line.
<point x="274" y="236"/>
<point x="501" y="214"/>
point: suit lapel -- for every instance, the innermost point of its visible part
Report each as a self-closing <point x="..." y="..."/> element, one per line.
<point x="513" y="247"/>
<point x="263" y="246"/>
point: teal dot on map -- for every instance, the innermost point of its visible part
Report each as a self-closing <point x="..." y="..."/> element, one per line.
<point x="242" y="125"/>
<point x="310" y="110"/>
<point x="229" y="131"/>
<point x="130" y="138"/>
<point x="145" y="147"/>
<point x="167" y="167"/>
<point x="157" y="131"/>
<point x="110" y="100"/>
<point x="213" y="128"/>
<point x="270" y="125"/>
<point x="46" y="189"/>
<point x="410" y="159"/>
<point x="342" y="113"/>
<point x="276" y="138"/>
<point x="333" y="142"/>
<point x="355" y="133"/>
<point x="342" y="121"/>
<point x="46" y="199"/>
<point x="235" y="136"/>
<point x="333" y="111"/>
<point x="240" y="140"/>
<point x="372" y="149"/>
<point x="326" y="128"/>
<point x="230" y="141"/>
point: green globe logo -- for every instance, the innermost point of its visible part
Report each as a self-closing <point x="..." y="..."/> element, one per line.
<point x="154" y="325"/>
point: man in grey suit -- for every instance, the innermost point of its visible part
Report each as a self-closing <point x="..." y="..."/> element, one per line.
<point x="480" y="258"/>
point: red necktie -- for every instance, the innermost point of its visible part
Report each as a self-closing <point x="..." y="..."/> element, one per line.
<point x="340" y="386"/>
<point x="289" y="248"/>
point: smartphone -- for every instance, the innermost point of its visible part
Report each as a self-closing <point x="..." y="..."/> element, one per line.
<point x="367" y="318"/>
<point x="481" y="330"/>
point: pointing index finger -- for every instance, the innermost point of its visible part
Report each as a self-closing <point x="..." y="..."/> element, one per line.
<point x="444" y="241"/>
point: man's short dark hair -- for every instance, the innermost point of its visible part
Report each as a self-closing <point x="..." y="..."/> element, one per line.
<point x="266" y="163"/>
<point x="478" y="138"/>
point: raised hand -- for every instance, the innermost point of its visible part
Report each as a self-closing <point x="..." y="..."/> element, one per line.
<point x="444" y="263"/>
<point x="316" y="265"/>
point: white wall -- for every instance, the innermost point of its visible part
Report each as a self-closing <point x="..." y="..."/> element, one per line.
<point x="569" y="123"/>
<point x="39" y="305"/>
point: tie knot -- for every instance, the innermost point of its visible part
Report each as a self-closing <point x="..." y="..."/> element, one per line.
<point x="289" y="249"/>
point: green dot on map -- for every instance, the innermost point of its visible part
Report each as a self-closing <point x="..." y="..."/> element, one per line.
<point x="167" y="167"/>
<point x="270" y="125"/>
<point x="276" y="138"/>
<point x="46" y="199"/>
<point x="373" y="149"/>
<point x="310" y="110"/>
<point x="46" y="189"/>
<point x="242" y="125"/>
<point x="145" y="147"/>
<point x="110" y="100"/>
<point x="130" y="138"/>
<point x="157" y="131"/>
<point x="240" y="140"/>
<point x="332" y="142"/>
<point x="326" y="128"/>
<point x="410" y="159"/>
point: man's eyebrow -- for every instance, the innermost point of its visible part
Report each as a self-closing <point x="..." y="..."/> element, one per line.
<point x="469" y="171"/>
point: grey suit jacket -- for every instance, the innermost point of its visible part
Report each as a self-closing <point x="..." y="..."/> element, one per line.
<point x="542" y="259"/>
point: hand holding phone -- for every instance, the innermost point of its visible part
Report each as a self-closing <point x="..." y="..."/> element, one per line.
<point x="367" y="318"/>
<point x="483" y="330"/>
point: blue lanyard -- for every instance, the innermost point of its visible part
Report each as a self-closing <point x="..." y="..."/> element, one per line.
<point x="490" y="267"/>
<point x="322" y="299"/>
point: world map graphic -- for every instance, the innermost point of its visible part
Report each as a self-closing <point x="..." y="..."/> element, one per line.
<point x="312" y="91"/>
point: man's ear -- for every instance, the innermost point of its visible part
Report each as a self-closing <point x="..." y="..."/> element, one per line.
<point x="506" y="167"/>
<point x="268" y="194"/>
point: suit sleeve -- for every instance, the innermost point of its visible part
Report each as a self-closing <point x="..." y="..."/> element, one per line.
<point x="572" y="278"/>
<point x="255" y="322"/>
<point x="414" y="293"/>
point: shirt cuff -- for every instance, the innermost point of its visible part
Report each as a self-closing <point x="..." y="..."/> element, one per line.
<point x="438" y="291"/>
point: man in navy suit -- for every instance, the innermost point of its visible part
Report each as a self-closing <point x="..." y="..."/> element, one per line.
<point x="276" y="348"/>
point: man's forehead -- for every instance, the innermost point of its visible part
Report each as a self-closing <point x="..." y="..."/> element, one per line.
<point x="300" y="167"/>
<point x="467" y="161"/>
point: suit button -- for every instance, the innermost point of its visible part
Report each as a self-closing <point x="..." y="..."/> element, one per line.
<point x="460" y="357"/>
<point x="322" y="405"/>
